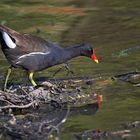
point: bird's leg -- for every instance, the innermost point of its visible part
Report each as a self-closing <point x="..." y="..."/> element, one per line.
<point x="68" y="69"/>
<point x="7" y="77"/>
<point x="57" y="71"/>
<point x="66" y="66"/>
<point x="31" y="79"/>
<point x="48" y="84"/>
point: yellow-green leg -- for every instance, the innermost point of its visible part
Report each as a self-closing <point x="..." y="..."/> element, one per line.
<point x="31" y="79"/>
<point x="7" y="77"/>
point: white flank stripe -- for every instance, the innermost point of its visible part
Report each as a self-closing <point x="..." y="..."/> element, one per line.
<point x="33" y="54"/>
<point x="18" y="62"/>
<point x="8" y="40"/>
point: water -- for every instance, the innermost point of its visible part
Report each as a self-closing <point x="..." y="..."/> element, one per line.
<point x="111" y="26"/>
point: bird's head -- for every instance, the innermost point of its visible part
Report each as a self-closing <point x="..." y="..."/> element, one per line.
<point x="88" y="51"/>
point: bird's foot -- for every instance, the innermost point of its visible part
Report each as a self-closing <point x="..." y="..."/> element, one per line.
<point x="70" y="73"/>
<point x="67" y="68"/>
<point x="46" y="85"/>
<point x="53" y="88"/>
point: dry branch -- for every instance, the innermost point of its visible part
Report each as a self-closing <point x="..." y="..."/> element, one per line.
<point x="18" y="106"/>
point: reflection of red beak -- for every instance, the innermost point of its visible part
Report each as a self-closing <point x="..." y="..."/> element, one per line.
<point x="99" y="101"/>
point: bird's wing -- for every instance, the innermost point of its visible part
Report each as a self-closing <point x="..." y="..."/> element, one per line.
<point x="25" y="42"/>
<point x="29" y="43"/>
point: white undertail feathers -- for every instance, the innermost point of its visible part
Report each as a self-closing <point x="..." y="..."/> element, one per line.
<point x="9" y="42"/>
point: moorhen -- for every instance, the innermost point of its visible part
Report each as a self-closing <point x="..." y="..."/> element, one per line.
<point x="35" y="54"/>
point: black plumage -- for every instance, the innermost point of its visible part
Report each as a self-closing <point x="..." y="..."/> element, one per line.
<point x="35" y="54"/>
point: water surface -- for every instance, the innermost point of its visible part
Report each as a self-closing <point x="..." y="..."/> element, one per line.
<point x="111" y="26"/>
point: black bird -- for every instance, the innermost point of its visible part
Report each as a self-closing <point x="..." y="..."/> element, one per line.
<point x="35" y="54"/>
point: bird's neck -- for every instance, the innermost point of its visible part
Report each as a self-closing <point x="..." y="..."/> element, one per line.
<point x="71" y="52"/>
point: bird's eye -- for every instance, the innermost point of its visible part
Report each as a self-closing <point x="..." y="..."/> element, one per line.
<point x="91" y="50"/>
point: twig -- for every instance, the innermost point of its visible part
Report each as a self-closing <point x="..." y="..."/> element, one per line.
<point x="18" y="106"/>
<point x="6" y="101"/>
<point x="137" y="85"/>
<point x="26" y="93"/>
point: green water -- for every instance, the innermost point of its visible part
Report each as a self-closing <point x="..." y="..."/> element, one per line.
<point x="111" y="26"/>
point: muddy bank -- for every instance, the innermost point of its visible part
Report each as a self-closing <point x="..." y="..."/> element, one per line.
<point x="28" y="113"/>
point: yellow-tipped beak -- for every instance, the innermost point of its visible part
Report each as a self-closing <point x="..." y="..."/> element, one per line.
<point x="96" y="60"/>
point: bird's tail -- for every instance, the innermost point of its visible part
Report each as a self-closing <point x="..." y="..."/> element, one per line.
<point x="7" y="30"/>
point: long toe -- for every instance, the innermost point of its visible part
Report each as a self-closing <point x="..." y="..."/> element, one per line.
<point x="47" y="85"/>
